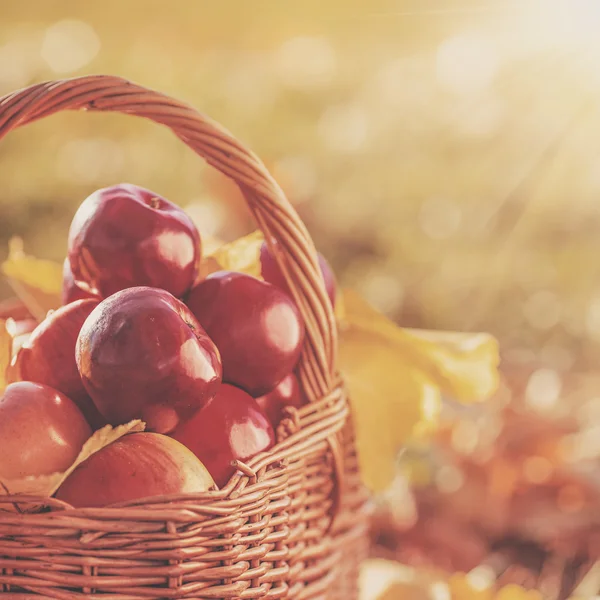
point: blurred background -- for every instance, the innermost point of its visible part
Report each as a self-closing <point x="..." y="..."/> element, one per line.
<point x="445" y="155"/>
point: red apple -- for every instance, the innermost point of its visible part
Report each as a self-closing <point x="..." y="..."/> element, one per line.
<point x="142" y="354"/>
<point x="231" y="426"/>
<point x="256" y="327"/>
<point x="272" y="273"/>
<point x="138" y="465"/>
<point x="70" y="290"/>
<point x="126" y="236"/>
<point x="286" y="393"/>
<point x="48" y="356"/>
<point x="41" y="431"/>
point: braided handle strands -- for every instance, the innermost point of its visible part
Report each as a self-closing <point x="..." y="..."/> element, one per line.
<point x="270" y="532"/>
<point x="295" y="252"/>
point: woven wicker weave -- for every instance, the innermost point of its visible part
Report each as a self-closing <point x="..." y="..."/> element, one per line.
<point x="292" y="523"/>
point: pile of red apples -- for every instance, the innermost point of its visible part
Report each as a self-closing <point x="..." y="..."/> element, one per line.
<point x="209" y="365"/>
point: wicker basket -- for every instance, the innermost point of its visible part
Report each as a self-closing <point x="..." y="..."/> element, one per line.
<point x="292" y="523"/>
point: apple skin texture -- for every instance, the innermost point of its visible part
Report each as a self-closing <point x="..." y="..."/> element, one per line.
<point x="127" y="236"/>
<point x="41" y="431"/>
<point x="48" y="356"/>
<point x="70" y="290"/>
<point x="271" y="272"/>
<point x="141" y="354"/>
<point x="286" y="393"/>
<point x="138" y="465"/>
<point x="231" y="426"/>
<point x="256" y="327"/>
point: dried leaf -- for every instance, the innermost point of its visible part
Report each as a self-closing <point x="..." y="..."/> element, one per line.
<point x="46" y="485"/>
<point x="242" y="255"/>
<point x="391" y="400"/>
<point x="37" y="282"/>
<point x="396" y="380"/>
<point x="463" y="365"/>
<point x="5" y="353"/>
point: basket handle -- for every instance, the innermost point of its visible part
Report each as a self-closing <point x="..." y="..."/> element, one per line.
<point x="286" y="235"/>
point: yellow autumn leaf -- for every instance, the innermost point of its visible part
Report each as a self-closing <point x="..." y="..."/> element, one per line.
<point x="463" y="365"/>
<point x="390" y="399"/>
<point x="396" y="380"/>
<point x="241" y="255"/>
<point x="37" y="282"/>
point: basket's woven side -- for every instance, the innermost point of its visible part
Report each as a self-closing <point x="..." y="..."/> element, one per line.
<point x="267" y="535"/>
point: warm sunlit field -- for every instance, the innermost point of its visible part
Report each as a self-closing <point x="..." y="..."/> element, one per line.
<point x="445" y="156"/>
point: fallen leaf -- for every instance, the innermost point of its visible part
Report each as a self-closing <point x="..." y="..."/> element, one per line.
<point x="241" y="255"/>
<point x="391" y="400"/>
<point x="396" y="379"/>
<point x="46" y="485"/>
<point x="37" y="282"/>
<point x="463" y="365"/>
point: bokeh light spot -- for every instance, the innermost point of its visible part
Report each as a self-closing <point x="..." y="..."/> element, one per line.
<point x="69" y="45"/>
<point x="344" y="128"/>
<point x="537" y="469"/>
<point x="543" y="389"/>
<point x="440" y="218"/>
<point x="543" y="309"/>
<point x="467" y="63"/>
<point x="306" y="62"/>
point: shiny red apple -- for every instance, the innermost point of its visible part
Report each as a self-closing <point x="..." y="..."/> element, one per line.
<point x="256" y="327"/>
<point x="138" y="465"/>
<point x="142" y="354"/>
<point x="41" y="431"/>
<point x="286" y="393"/>
<point x="126" y="236"/>
<point x="70" y="290"/>
<point x="231" y="426"/>
<point x="48" y="356"/>
<point x="272" y="273"/>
